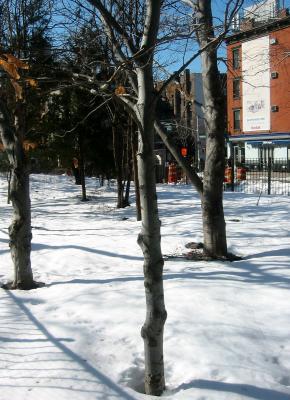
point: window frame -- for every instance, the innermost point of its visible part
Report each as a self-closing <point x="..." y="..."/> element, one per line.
<point x="235" y="111"/>
<point x="237" y="88"/>
<point x="236" y="58"/>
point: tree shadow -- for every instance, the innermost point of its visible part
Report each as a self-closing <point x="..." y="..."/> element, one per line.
<point x="285" y="252"/>
<point x="75" y="362"/>
<point x="239" y="271"/>
<point x="249" y="391"/>
<point x="6" y="241"/>
<point x="245" y="272"/>
<point x="40" y="246"/>
<point x="97" y="281"/>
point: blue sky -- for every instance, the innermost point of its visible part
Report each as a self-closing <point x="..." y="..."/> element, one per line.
<point x="218" y="12"/>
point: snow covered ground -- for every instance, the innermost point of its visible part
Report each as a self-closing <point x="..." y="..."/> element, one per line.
<point x="227" y="336"/>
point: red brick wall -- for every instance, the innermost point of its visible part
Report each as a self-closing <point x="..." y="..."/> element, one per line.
<point x="280" y="87"/>
<point x="231" y="75"/>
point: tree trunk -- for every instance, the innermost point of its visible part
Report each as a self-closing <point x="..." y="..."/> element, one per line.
<point x="214" y="227"/>
<point x="9" y="177"/>
<point x="82" y="168"/>
<point x="20" y="228"/>
<point x="118" y="158"/>
<point x="128" y="168"/>
<point x="134" y="147"/>
<point x="149" y="239"/>
<point x="127" y="190"/>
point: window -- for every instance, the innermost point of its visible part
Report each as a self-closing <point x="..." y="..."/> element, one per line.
<point x="236" y="88"/>
<point x="237" y="120"/>
<point x="236" y="58"/>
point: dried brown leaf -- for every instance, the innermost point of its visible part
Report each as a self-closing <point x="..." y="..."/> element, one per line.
<point x="11" y="69"/>
<point x="18" y="63"/>
<point x="120" y="90"/>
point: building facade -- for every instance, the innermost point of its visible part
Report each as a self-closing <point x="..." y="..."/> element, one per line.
<point x="258" y="88"/>
<point x="181" y="112"/>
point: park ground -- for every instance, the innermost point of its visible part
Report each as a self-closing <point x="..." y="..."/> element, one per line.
<point x="78" y="337"/>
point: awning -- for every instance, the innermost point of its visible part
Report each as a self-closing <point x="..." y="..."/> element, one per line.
<point x="265" y="143"/>
<point x="260" y="137"/>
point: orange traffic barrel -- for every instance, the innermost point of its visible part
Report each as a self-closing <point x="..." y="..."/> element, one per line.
<point x="172" y="173"/>
<point x="228" y="175"/>
<point x="241" y="173"/>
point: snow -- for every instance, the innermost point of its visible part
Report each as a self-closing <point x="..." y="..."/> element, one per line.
<point x="78" y="337"/>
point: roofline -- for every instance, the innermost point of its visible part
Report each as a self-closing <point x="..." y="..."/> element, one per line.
<point x="267" y="27"/>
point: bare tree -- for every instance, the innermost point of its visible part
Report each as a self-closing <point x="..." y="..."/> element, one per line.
<point x="20" y="229"/>
<point x="134" y="37"/>
<point x="132" y="29"/>
<point x="143" y="109"/>
<point x="22" y="23"/>
<point x="214" y="227"/>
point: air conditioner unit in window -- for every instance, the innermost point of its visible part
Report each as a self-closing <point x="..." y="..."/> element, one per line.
<point x="273" y="41"/>
<point x="274" y="75"/>
<point x="274" y="108"/>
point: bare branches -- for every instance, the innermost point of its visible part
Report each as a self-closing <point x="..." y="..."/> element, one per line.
<point x="112" y="23"/>
<point x="175" y="75"/>
<point x="88" y="115"/>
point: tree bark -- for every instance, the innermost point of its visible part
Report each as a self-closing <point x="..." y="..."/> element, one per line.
<point x="20" y="228"/>
<point x="118" y="158"/>
<point x="149" y="238"/>
<point x="214" y="227"/>
<point x="9" y="177"/>
<point x="128" y="167"/>
<point x="82" y="167"/>
<point x="134" y="147"/>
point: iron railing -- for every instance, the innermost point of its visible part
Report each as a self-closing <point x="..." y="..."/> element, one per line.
<point x="259" y="176"/>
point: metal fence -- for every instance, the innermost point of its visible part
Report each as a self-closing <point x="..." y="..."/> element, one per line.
<point x="259" y="176"/>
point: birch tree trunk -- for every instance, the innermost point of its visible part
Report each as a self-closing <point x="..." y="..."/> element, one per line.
<point x="82" y="166"/>
<point x="118" y="158"/>
<point x="20" y="228"/>
<point x="214" y="227"/>
<point x="150" y="242"/>
<point x="134" y="147"/>
<point x="149" y="238"/>
<point x="143" y="112"/>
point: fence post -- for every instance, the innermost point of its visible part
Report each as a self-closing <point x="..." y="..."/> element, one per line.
<point x="233" y="165"/>
<point x="269" y="174"/>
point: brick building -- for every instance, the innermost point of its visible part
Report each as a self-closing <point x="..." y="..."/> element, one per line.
<point x="258" y="86"/>
<point x="181" y="112"/>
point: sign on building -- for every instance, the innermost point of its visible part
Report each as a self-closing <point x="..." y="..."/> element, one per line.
<point x="256" y="85"/>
